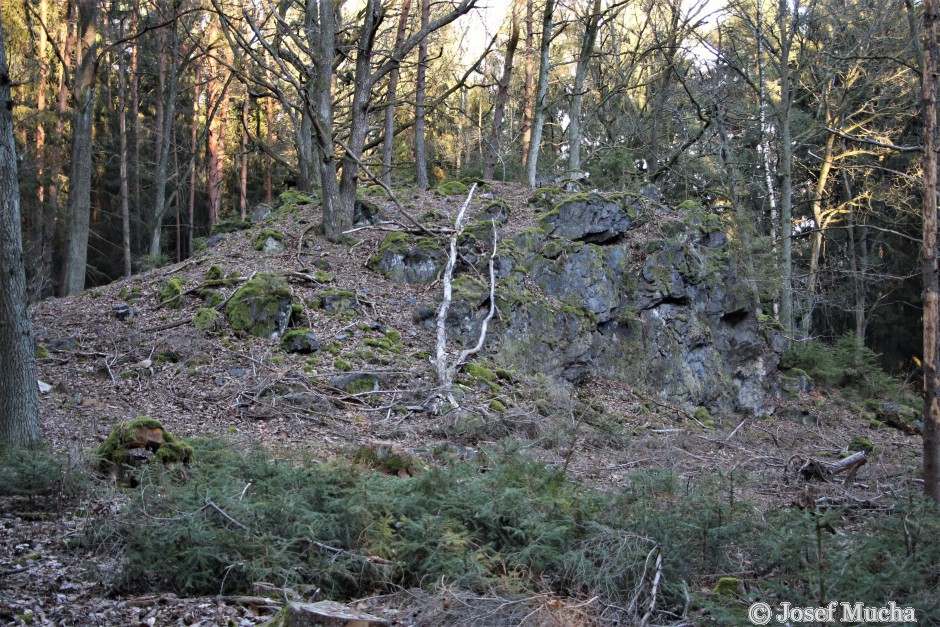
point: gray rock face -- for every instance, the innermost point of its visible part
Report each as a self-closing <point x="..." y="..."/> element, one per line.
<point x="301" y="341"/>
<point x="669" y="315"/>
<point x="588" y="218"/>
<point x="406" y="259"/>
<point x="366" y="212"/>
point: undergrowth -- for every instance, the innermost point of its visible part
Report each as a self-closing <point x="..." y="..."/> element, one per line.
<point x="507" y="525"/>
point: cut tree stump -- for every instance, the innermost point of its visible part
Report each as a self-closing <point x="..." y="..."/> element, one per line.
<point x="323" y="614"/>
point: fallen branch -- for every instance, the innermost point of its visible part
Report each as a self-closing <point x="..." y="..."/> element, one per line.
<point x="654" y="589"/>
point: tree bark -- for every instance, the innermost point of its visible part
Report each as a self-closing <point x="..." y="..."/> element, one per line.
<point x="931" y="276"/>
<point x="163" y="135"/>
<point x="43" y="233"/>
<point x="19" y="401"/>
<point x="577" y="96"/>
<point x="243" y="175"/>
<point x="788" y="27"/>
<point x="502" y="96"/>
<point x="83" y="92"/>
<point x="122" y="131"/>
<point x="388" y="142"/>
<point x="541" y="105"/>
<point x="529" y="107"/>
<point x="421" y="158"/>
<point x="55" y="216"/>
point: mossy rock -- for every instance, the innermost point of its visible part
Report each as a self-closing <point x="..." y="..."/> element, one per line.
<point x="214" y="273"/>
<point x="469" y="289"/>
<point x="262" y="307"/>
<point x="729" y="586"/>
<point x="388" y="457"/>
<point x="452" y="188"/>
<point x="497" y="406"/>
<point x="270" y="240"/>
<point x="141" y="433"/>
<point x="211" y="298"/>
<point x="205" y="319"/>
<point x="335" y="301"/>
<point x="172" y="293"/>
<point x="300" y="341"/>
<point x="41" y="352"/>
<point x="230" y="226"/>
<point x="291" y="200"/>
<point x="356" y="383"/>
<point x="497" y="210"/>
<point x="407" y="259"/>
<point x="861" y="444"/>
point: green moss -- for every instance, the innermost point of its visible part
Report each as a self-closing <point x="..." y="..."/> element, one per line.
<point x="365" y="354"/>
<point x="497" y="406"/>
<point x="690" y="205"/>
<point x="257" y="305"/>
<point x="335" y="301"/>
<point x="479" y="373"/>
<point x="230" y="226"/>
<point x="727" y="586"/>
<point x="384" y="343"/>
<point x="172" y="293"/>
<point x="359" y="385"/>
<point x="861" y="444"/>
<point x="701" y="414"/>
<point x="291" y="201"/>
<point x="265" y="235"/>
<point x="323" y="276"/>
<point x="393" y="336"/>
<point x="386" y="457"/>
<point x="470" y="289"/>
<point x="332" y="348"/>
<point x="214" y="273"/>
<point x="452" y="188"/>
<point x="210" y="298"/>
<point x="341" y="364"/>
<point x="41" y="352"/>
<point x="205" y="318"/>
<point x="142" y="432"/>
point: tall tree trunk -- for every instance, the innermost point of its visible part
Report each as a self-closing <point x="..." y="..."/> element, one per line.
<point x="83" y="93"/>
<point x="529" y="108"/>
<point x="243" y="175"/>
<point x="215" y="146"/>
<point x="163" y="159"/>
<point x="577" y="96"/>
<point x="136" y="123"/>
<point x="388" y="141"/>
<point x="19" y="399"/>
<point x="541" y="104"/>
<point x="55" y="215"/>
<point x="268" y="160"/>
<point x="502" y="95"/>
<point x="122" y="131"/>
<point x="421" y="158"/>
<point x="822" y="180"/>
<point x="322" y="31"/>
<point x="764" y="150"/>
<point x="194" y="147"/>
<point x="787" y="26"/>
<point x="931" y="276"/>
<point x="43" y="232"/>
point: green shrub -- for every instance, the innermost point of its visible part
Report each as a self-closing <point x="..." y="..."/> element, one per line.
<point x="846" y="363"/>
<point x="37" y="472"/>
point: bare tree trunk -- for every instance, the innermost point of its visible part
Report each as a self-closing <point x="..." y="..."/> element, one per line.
<point x="215" y="146"/>
<point x="55" y="221"/>
<point x="580" y="73"/>
<point x="787" y="27"/>
<point x="502" y="95"/>
<point x="135" y="115"/>
<point x="194" y="147"/>
<point x="243" y="176"/>
<point x="322" y="36"/>
<point x="83" y="92"/>
<point x="541" y="104"/>
<point x="421" y="158"/>
<point x="163" y="159"/>
<point x="388" y="142"/>
<point x="122" y="131"/>
<point x="268" y="161"/>
<point x="19" y="401"/>
<point x="822" y="180"/>
<point x="529" y="109"/>
<point x="764" y="150"/>
<point x="42" y="233"/>
<point x="931" y="277"/>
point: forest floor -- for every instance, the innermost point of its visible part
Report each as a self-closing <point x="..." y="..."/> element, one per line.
<point x="197" y="383"/>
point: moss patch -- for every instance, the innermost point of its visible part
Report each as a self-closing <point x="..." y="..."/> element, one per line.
<point x="142" y="433"/>
<point x="172" y="293"/>
<point x="452" y="188"/>
<point x="214" y="273"/>
<point x="261" y="307"/>
<point x="205" y="318"/>
<point x="265" y="235"/>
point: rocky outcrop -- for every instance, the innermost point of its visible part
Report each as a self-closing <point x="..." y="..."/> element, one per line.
<point x="665" y="311"/>
<point x="262" y="307"/>
<point x="406" y="259"/>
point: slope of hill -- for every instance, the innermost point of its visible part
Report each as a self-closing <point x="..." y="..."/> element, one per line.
<point x="612" y="350"/>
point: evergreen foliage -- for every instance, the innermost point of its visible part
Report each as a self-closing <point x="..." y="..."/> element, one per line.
<point x="846" y="363"/>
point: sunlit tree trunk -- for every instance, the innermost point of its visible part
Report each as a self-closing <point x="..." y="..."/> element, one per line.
<point x="122" y="131"/>
<point x="44" y="228"/>
<point x="19" y="402"/>
<point x="577" y="96"/>
<point x="529" y="107"/>
<point x="931" y="276"/>
<point x="55" y="215"/>
<point x="421" y="158"/>
<point x="502" y="96"/>
<point x="541" y="96"/>
<point x="163" y="159"/>
<point x="83" y="94"/>
<point x="388" y="141"/>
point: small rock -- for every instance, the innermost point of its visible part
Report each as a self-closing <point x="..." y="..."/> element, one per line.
<point x="272" y="245"/>
<point x="44" y="388"/>
<point x="214" y="241"/>
<point x="303" y="341"/>
<point x="123" y="312"/>
<point x="356" y="383"/>
<point x="260" y="213"/>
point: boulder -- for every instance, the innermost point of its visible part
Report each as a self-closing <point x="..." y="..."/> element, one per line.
<point x="403" y="258"/>
<point x="588" y="218"/>
<point x="366" y="212"/>
<point x="355" y="383"/>
<point x="302" y="341"/>
<point x="135" y="442"/>
<point x="262" y="307"/>
<point x="335" y="301"/>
